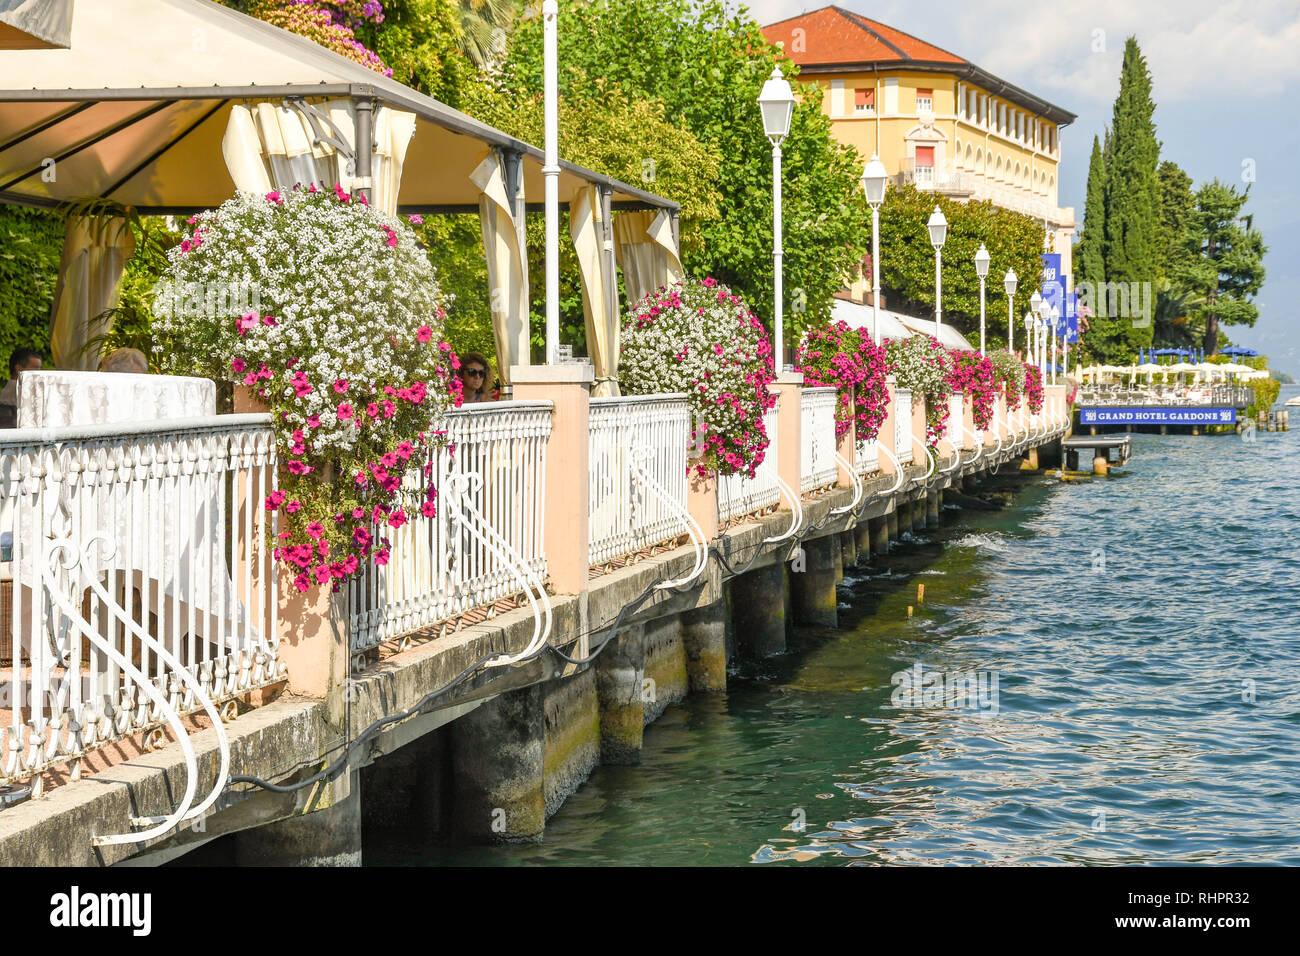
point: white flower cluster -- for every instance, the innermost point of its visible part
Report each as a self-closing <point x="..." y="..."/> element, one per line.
<point x="346" y="294"/>
<point x="697" y="337"/>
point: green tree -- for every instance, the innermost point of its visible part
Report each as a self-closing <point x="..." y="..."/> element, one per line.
<point x="610" y="131"/>
<point x="1132" y="186"/>
<point x="1091" y="249"/>
<point x="1229" y="268"/>
<point x="486" y="26"/>
<point x="706" y="64"/>
<point x="31" y="243"/>
<point x="1173" y="327"/>
<point x="423" y="42"/>
<point x="1014" y="242"/>
<point x="1132" y="207"/>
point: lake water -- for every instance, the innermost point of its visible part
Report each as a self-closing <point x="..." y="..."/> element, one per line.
<point x="1144" y="633"/>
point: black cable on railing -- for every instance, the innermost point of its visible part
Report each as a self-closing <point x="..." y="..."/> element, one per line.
<point x="611" y="630"/>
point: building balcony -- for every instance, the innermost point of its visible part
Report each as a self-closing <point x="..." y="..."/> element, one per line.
<point x="967" y="184"/>
<point x="940" y="179"/>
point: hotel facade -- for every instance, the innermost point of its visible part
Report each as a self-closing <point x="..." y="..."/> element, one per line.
<point x="935" y="119"/>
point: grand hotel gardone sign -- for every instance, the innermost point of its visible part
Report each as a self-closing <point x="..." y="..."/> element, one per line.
<point x="1158" y="416"/>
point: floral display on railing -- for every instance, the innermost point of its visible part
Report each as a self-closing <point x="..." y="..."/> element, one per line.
<point x="973" y="375"/>
<point x="847" y="358"/>
<point x="697" y="337"/>
<point x="1033" y="388"/>
<point x="342" y="340"/>
<point x="1010" y="376"/>
<point x="922" y="366"/>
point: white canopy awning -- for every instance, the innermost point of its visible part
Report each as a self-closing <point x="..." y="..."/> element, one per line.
<point x="948" y="336"/>
<point x="34" y="24"/>
<point x="136" y="110"/>
<point x="859" y="317"/>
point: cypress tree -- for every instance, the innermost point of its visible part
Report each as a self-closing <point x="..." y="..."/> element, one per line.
<point x="1133" y="229"/>
<point x="1092" y="242"/>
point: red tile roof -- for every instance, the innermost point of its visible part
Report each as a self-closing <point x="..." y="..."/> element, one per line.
<point x="834" y="37"/>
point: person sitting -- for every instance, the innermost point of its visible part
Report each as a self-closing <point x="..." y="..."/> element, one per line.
<point x="22" y="360"/>
<point x="130" y="361"/>
<point x="474" y="379"/>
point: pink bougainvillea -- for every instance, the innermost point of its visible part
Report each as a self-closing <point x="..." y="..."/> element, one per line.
<point x="697" y="337"/>
<point x="847" y="358"/>
<point x="1033" y="388"/>
<point x="973" y="375"/>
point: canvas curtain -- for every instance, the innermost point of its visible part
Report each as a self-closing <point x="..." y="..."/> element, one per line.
<point x="646" y="252"/>
<point x="599" y="288"/>
<point x="506" y="265"/>
<point x="277" y="145"/>
<point x="95" y="251"/>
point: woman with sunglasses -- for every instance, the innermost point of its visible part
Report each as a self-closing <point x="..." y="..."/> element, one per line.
<point x="474" y="377"/>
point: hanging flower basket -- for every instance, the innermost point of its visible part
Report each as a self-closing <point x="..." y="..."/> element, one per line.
<point x="697" y="337"/>
<point x="847" y="359"/>
<point x="330" y="313"/>
<point x="975" y="377"/>
<point x="921" y="365"/>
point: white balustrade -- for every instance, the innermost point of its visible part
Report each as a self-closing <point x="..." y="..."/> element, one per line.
<point x="738" y="495"/>
<point x="817" y="465"/>
<point x="867" y="456"/>
<point x="636" y="441"/>
<point x="903" y="443"/>
<point x="956" y="414"/>
<point x="137" y="580"/>
<point x="437" y="569"/>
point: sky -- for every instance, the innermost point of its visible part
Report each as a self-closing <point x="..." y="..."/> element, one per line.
<point x="1226" y="74"/>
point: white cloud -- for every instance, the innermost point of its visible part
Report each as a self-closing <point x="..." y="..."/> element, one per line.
<point x="1194" y="48"/>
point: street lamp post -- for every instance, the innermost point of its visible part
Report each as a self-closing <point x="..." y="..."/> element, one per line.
<point x="776" y="103"/>
<point x="938" y="227"/>
<point x="1029" y="338"/>
<point x="1035" y="309"/>
<point x="1056" y="321"/>
<point x="982" y="270"/>
<point x="1009" y="283"/>
<point x="551" y="175"/>
<point x="874" y="181"/>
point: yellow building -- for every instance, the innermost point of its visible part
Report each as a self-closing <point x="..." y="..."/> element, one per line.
<point x="935" y="119"/>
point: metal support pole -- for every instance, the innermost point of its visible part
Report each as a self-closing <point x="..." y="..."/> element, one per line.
<point x="778" y="289"/>
<point x="938" y="289"/>
<point x="982" y="351"/>
<point x="875" y="275"/>
<point x="551" y="174"/>
<point x="365" y="140"/>
<point x="609" y="274"/>
<point x="1011" y="323"/>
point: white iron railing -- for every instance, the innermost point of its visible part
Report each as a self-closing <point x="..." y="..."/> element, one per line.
<point x="738" y="495"/>
<point x="625" y="514"/>
<point x="867" y="456"/>
<point x="956" y="414"/>
<point x="138" y="587"/>
<point x="817" y="465"/>
<point x="437" y="567"/>
<point x="903" y="426"/>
